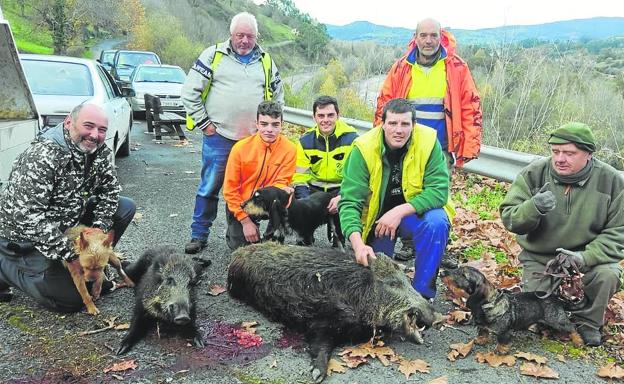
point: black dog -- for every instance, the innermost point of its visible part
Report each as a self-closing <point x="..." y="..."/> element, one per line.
<point x="500" y="311"/>
<point x="302" y="216"/>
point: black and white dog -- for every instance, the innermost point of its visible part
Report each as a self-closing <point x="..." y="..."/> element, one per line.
<point x="302" y="216"/>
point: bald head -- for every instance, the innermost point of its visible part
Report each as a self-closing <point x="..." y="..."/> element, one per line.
<point x="87" y="125"/>
<point x="429" y="24"/>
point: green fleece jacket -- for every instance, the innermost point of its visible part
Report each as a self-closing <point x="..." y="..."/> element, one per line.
<point x="355" y="188"/>
<point x="588" y="218"/>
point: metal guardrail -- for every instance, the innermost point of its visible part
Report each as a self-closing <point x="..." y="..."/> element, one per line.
<point x="497" y="163"/>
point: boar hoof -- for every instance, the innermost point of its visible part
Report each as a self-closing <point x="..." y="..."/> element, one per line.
<point x="198" y="342"/>
<point x="123" y="349"/>
<point x="317" y="376"/>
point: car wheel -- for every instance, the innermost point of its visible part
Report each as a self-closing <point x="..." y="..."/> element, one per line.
<point x="124" y="150"/>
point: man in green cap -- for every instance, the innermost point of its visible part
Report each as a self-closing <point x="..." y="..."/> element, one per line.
<point x="571" y="203"/>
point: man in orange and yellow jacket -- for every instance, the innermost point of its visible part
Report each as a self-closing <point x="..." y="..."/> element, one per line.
<point x="264" y="159"/>
<point x="439" y="85"/>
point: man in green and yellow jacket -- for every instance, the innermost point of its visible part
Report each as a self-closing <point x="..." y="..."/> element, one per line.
<point x="573" y="204"/>
<point x="396" y="182"/>
<point x="322" y="152"/>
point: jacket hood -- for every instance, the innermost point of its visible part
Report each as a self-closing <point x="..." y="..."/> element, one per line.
<point x="57" y="135"/>
<point x="447" y="40"/>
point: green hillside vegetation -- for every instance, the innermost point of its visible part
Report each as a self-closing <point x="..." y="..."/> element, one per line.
<point x="28" y="37"/>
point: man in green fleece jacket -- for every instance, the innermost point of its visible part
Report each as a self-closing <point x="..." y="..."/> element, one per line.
<point x="395" y="183"/>
<point x="571" y="203"/>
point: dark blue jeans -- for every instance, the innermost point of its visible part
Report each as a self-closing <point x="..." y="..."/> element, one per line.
<point x="48" y="281"/>
<point x="215" y="152"/>
<point x="429" y="233"/>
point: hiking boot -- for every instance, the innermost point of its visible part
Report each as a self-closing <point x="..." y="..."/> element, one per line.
<point x="6" y="294"/>
<point x="406" y="252"/>
<point x="591" y="336"/>
<point x="449" y="262"/>
<point x="194" y="246"/>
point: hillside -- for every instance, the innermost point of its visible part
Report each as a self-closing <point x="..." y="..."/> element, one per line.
<point x="597" y="28"/>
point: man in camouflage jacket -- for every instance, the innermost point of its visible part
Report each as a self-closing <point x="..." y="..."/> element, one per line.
<point x="63" y="179"/>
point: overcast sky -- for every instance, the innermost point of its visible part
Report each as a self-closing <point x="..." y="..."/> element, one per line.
<point x="464" y="14"/>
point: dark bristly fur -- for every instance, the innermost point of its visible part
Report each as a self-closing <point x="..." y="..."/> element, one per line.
<point x="501" y="312"/>
<point x="164" y="293"/>
<point x="326" y="295"/>
<point x="302" y="216"/>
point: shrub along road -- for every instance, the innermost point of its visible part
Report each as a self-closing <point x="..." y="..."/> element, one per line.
<point x="39" y="346"/>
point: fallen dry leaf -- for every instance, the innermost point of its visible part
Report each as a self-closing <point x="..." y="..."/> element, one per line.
<point x="216" y="289"/>
<point x="439" y="380"/>
<point x="611" y="371"/>
<point x="561" y="358"/>
<point x="531" y="357"/>
<point x="495" y="360"/>
<point x="459" y="317"/>
<point x="121" y="327"/>
<point x="459" y="349"/>
<point x="249" y="326"/>
<point x="354" y="361"/>
<point x="538" y="370"/>
<point x="122" y="366"/>
<point x="409" y="367"/>
<point x="335" y="366"/>
<point x="273" y="364"/>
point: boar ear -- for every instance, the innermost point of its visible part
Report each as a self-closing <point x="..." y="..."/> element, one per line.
<point x="109" y="238"/>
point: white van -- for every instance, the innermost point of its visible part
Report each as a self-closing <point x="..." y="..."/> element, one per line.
<point x="19" y="121"/>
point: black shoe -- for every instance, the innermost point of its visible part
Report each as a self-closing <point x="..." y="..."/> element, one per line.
<point x="406" y="252"/>
<point x="449" y="262"/>
<point x="591" y="336"/>
<point x="6" y="295"/>
<point x="194" y="246"/>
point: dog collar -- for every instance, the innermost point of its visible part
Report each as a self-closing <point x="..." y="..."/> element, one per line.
<point x="290" y="198"/>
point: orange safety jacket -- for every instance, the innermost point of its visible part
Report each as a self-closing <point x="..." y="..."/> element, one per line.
<point x="254" y="164"/>
<point x="462" y="103"/>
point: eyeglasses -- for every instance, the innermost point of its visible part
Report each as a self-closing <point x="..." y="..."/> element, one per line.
<point x="249" y="36"/>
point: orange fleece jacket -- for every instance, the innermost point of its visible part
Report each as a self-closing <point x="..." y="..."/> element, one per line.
<point x="254" y="164"/>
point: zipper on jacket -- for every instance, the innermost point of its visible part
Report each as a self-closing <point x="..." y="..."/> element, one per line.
<point x="568" y="193"/>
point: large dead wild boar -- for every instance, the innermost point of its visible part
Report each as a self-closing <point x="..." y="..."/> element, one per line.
<point x="164" y="293"/>
<point x="327" y="296"/>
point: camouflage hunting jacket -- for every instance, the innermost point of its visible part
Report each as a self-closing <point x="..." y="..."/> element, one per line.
<point x="48" y="189"/>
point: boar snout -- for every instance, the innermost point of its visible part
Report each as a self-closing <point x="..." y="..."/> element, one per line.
<point x="179" y="313"/>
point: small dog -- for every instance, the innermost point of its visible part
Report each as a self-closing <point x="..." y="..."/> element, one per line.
<point x="95" y="251"/>
<point x="501" y="312"/>
<point x="302" y="216"/>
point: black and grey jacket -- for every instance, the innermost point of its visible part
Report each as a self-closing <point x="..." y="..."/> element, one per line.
<point x="48" y="189"/>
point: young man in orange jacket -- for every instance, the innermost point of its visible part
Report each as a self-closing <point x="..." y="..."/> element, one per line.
<point x="264" y="159"/>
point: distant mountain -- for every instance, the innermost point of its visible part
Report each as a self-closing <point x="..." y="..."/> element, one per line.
<point x="596" y="28"/>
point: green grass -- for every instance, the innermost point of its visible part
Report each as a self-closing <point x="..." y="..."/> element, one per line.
<point x="278" y="32"/>
<point x="29" y="37"/>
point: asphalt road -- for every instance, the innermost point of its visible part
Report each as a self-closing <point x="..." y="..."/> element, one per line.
<point x="39" y="346"/>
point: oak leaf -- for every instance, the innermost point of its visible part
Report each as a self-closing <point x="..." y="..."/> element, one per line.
<point x="408" y="367"/>
<point x="495" y="360"/>
<point x="216" y="289"/>
<point x="335" y="366"/>
<point x="611" y="371"/>
<point x="459" y="349"/>
<point x="354" y="361"/>
<point x="122" y="366"/>
<point x="538" y="370"/>
<point x="531" y="357"/>
<point x="459" y="317"/>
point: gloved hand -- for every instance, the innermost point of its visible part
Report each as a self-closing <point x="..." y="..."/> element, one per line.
<point x="577" y="257"/>
<point x="544" y="199"/>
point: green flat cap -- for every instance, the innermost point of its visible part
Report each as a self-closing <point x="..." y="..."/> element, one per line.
<point x="576" y="133"/>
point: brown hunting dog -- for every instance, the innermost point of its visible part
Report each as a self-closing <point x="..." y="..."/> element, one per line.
<point x="501" y="312"/>
<point x="95" y="251"/>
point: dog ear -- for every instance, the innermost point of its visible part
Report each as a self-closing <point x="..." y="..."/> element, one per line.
<point x="83" y="242"/>
<point x="109" y="238"/>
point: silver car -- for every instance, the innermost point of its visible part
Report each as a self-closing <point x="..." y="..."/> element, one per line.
<point x="59" y="83"/>
<point x="164" y="81"/>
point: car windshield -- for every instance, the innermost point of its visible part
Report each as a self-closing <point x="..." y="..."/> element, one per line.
<point x="160" y="74"/>
<point x="58" y="78"/>
<point x="107" y="57"/>
<point x="132" y="59"/>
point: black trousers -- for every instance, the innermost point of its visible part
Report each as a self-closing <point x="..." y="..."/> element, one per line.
<point x="48" y="281"/>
